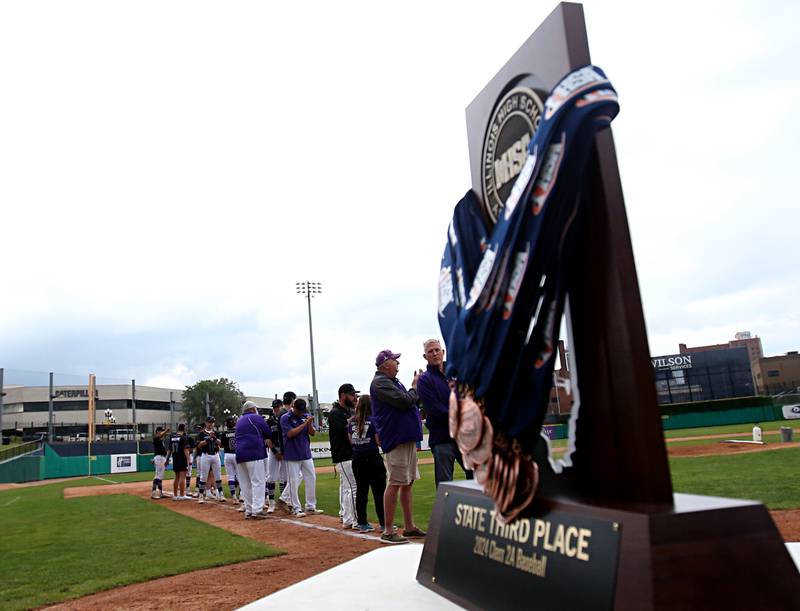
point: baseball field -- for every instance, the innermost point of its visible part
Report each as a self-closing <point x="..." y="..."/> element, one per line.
<point x="103" y="543"/>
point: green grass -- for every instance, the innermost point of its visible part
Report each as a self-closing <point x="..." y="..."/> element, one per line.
<point x="769" y="477"/>
<point x="56" y="549"/>
<point x="769" y="438"/>
<point x="728" y="428"/>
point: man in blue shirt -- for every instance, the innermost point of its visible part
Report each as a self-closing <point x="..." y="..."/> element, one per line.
<point x="399" y="429"/>
<point x="297" y="428"/>
<point x="434" y="391"/>
<point x="251" y="450"/>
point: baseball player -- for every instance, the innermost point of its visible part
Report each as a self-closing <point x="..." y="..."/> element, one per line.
<point x="297" y="428"/>
<point x="229" y="447"/>
<point x="208" y="445"/>
<point x="160" y="462"/>
<point x="275" y="464"/>
<point x="179" y="448"/>
<point x="196" y="454"/>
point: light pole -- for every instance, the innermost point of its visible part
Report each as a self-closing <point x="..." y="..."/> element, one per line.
<point x="309" y="289"/>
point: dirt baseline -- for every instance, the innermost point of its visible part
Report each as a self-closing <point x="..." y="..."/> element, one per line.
<point x="309" y="551"/>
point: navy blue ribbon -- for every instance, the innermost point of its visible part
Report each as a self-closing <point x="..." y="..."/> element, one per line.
<point x="501" y="293"/>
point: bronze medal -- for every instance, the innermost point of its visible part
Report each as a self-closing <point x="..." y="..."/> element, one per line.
<point x="482" y="472"/>
<point x="453" y="413"/>
<point x="470" y="425"/>
<point x="469" y="462"/>
<point x="482" y="452"/>
<point x="527" y="483"/>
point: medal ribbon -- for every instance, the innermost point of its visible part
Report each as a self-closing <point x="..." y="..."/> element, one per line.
<point x="501" y="292"/>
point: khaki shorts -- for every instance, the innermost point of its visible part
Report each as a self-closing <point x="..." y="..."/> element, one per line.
<point x="401" y="464"/>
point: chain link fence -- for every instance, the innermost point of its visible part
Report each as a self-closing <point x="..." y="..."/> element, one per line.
<point x="61" y="407"/>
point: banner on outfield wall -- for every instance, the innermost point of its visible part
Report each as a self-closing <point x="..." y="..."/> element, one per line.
<point x="791" y="411"/>
<point x="322" y="449"/>
<point x="123" y="463"/>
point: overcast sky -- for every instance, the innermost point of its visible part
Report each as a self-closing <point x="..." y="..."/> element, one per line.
<point x="169" y="170"/>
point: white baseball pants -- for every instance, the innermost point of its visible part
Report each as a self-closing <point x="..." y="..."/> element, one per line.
<point x="160" y="463"/>
<point x="347" y="492"/>
<point x="230" y="468"/>
<point x="297" y="470"/>
<point x="252" y="483"/>
<point x="209" y="462"/>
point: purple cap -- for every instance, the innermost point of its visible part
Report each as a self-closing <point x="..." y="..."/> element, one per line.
<point x="385" y="355"/>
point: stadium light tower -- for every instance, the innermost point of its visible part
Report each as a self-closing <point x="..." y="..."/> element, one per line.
<point x="309" y="289"/>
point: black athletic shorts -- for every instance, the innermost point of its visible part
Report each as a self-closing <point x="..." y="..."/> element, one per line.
<point x="179" y="465"/>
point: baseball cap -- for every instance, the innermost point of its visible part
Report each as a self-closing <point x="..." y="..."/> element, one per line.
<point x="348" y="389"/>
<point x="385" y="355"/>
<point x="211" y="419"/>
<point x="249" y="405"/>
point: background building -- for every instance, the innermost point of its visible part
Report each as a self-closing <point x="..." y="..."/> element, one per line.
<point x="26" y="409"/>
<point x="776" y="374"/>
<point x="28" y="406"/>
<point x="705" y="374"/>
<point x="743" y="339"/>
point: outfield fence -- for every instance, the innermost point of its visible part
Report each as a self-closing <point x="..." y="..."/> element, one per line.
<point x="73" y="460"/>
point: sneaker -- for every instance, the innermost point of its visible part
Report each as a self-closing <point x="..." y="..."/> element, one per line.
<point x="241" y="508"/>
<point x="394" y="539"/>
<point x="247" y="516"/>
<point x="365" y="528"/>
<point x="414" y="532"/>
<point x="308" y="510"/>
<point x="259" y="516"/>
<point x="271" y="507"/>
<point x="176" y="498"/>
<point x="349" y="525"/>
<point x="300" y="514"/>
<point x="222" y="499"/>
<point x="153" y="495"/>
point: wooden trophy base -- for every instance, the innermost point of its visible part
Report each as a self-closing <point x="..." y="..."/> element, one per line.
<point x="700" y="553"/>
